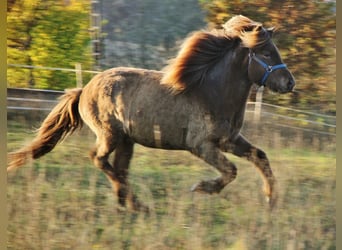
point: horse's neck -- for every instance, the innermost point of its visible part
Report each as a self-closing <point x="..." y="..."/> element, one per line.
<point x="225" y="91"/>
<point x="233" y="92"/>
<point x="234" y="99"/>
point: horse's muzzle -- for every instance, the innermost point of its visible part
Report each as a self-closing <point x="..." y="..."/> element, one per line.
<point x="286" y="86"/>
<point x="291" y="84"/>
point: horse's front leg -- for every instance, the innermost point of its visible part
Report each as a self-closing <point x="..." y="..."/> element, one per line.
<point x="211" y="154"/>
<point x="242" y="148"/>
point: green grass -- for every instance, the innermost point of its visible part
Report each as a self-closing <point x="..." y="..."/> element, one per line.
<point x="62" y="202"/>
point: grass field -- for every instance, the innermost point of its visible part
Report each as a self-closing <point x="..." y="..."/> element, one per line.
<point x="62" y="202"/>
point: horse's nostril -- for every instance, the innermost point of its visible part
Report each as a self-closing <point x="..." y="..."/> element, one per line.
<point x="291" y="84"/>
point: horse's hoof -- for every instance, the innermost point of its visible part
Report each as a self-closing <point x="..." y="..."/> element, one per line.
<point x="208" y="187"/>
<point x="120" y="209"/>
<point x="143" y="209"/>
<point x="199" y="188"/>
<point x="194" y="188"/>
<point x="267" y="199"/>
<point x="271" y="200"/>
<point x="138" y="206"/>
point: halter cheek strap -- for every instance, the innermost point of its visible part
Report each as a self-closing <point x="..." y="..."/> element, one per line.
<point x="268" y="68"/>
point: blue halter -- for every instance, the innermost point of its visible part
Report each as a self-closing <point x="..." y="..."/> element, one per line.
<point x="268" y="68"/>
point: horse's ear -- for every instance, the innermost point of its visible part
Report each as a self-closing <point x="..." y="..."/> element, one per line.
<point x="271" y="31"/>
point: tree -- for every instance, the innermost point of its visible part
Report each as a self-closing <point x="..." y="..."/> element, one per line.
<point x="21" y="18"/>
<point x="47" y="33"/>
<point x="305" y="36"/>
<point x="150" y="30"/>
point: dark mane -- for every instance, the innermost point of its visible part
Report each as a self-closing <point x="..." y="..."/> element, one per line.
<point x="199" y="53"/>
<point x="202" y="50"/>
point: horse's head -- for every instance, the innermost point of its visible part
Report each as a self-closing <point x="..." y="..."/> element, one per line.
<point x="266" y="68"/>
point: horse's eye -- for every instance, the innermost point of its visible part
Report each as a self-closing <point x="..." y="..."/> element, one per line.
<point x="266" y="55"/>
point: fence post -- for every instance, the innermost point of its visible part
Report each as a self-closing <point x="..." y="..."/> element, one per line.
<point x="78" y="68"/>
<point x="258" y="102"/>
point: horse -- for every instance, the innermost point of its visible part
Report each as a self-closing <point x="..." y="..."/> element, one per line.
<point x="196" y="103"/>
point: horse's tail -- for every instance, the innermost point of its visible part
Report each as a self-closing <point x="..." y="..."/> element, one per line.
<point x="63" y="120"/>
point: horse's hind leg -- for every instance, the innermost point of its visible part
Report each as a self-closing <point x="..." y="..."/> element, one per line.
<point x="104" y="147"/>
<point x="242" y="148"/>
<point x="118" y="173"/>
<point x="123" y="155"/>
<point x="212" y="155"/>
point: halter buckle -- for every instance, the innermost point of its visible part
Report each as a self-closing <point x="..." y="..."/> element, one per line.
<point x="269" y="68"/>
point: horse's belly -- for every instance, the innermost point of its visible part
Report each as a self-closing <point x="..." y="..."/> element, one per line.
<point x="159" y="136"/>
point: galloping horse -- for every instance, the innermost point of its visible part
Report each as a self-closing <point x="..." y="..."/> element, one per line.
<point x="196" y="103"/>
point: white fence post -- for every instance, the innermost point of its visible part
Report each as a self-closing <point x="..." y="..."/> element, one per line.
<point x="78" y="68"/>
<point x="258" y="102"/>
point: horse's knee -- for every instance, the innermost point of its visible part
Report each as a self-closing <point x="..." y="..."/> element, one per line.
<point x="258" y="157"/>
<point x="99" y="155"/>
<point x="101" y="162"/>
<point x="227" y="169"/>
<point x="261" y="154"/>
<point x="228" y="174"/>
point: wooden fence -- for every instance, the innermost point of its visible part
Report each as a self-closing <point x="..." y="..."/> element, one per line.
<point x="265" y="124"/>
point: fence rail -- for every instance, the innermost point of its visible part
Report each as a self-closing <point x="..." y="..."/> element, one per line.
<point x="268" y="124"/>
<point x="258" y="105"/>
<point x="273" y="126"/>
<point x="32" y="99"/>
<point x="19" y="99"/>
<point x="53" y="68"/>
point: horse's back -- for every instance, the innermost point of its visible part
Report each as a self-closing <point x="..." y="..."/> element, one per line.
<point x="103" y="96"/>
<point x="132" y="101"/>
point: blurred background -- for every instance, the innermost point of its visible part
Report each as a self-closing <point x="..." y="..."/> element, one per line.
<point x="62" y="202"/>
<point x="102" y="34"/>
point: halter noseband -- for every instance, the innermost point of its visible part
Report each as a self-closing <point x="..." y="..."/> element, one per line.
<point x="268" y="68"/>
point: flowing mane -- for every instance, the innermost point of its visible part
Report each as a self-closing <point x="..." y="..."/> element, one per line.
<point x="202" y="50"/>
